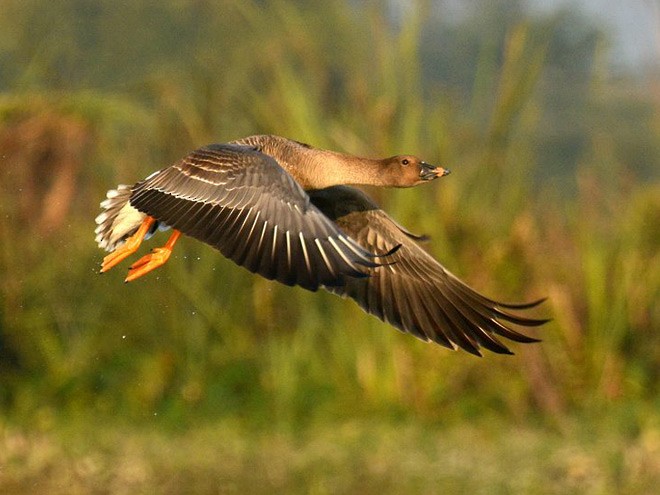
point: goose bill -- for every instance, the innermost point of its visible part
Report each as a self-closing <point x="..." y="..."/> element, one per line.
<point x="430" y="172"/>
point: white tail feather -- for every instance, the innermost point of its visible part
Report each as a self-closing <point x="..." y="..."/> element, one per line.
<point x="118" y="220"/>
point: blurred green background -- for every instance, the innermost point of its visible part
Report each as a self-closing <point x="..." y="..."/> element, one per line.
<point x="201" y="378"/>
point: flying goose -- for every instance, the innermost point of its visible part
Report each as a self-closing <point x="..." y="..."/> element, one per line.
<point x="284" y="210"/>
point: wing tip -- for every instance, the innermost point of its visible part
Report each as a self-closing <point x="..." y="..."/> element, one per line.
<point x="527" y="305"/>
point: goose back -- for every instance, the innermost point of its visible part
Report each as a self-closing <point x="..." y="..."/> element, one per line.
<point x="243" y="203"/>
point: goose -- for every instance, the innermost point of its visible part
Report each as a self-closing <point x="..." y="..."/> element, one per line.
<point x="288" y="211"/>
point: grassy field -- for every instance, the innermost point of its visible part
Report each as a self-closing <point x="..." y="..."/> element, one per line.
<point x="586" y="456"/>
<point x="203" y="378"/>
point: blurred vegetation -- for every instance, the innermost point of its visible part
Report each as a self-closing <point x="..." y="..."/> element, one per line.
<point x="554" y="192"/>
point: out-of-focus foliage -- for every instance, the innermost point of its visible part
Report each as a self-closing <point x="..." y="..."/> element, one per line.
<point x="366" y="457"/>
<point x="554" y="192"/>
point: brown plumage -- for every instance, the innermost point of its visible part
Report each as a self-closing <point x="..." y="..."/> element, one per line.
<point x="282" y="209"/>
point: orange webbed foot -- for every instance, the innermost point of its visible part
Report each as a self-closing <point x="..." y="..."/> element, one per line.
<point x="157" y="257"/>
<point x="130" y="246"/>
<point x="115" y="258"/>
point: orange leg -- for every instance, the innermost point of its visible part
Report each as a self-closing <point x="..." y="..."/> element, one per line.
<point x="154" y="259"/>
<point x="130" y="246"/>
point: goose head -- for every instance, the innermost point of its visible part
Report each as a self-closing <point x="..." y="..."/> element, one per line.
<point x="409" y="170"/>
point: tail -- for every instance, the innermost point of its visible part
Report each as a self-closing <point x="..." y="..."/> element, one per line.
<point x="118" y="220"/>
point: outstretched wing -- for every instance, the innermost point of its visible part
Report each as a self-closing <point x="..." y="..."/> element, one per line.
<point x="411" y="290"/>
<point x="243" y="203"/>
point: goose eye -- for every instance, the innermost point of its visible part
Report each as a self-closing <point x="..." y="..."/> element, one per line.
<point x="405" y="161"/>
